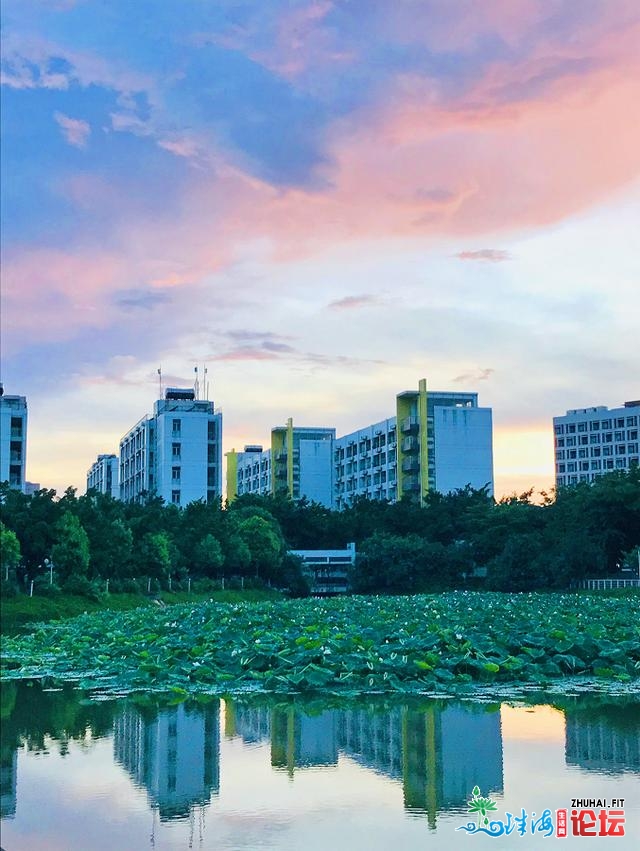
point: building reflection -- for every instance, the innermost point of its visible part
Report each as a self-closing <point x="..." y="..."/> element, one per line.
<point x="173" y="753"/>
<point x="604" y="739"/>
<point x="438" y="753"/>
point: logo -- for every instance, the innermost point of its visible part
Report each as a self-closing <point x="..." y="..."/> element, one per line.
<point x="585" y="817"/>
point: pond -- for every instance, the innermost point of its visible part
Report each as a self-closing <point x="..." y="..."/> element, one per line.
<point x="95" y="773"/>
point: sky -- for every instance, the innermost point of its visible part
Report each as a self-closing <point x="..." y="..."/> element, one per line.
<point x="323" y="202"/>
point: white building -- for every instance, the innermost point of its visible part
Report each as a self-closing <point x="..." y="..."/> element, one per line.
<point x="13" y="440"/>
<point x="102" y="476"/>
<point x="298" y="463"/>
<point x="589" y="442"/>
<point x="176" y="453"/>
<point x="436" y="441"/>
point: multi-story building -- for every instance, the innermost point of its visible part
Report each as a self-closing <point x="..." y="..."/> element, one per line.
<point x="176" y="453"/>
<point x="590" y="442"/>
<point x="436" y="441"/>
<point x="13" y="439"/>
<point x="298" y="463"/>
<point x="102" y="476"/>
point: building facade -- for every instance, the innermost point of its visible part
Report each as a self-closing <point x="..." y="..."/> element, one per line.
<point x="298" y="463"/>
<point x="102" y="476"/>
<point x="590" y="442"/>
<point x="176" y="453"/>
<point x="436" y="441"/>
<point x="13" y="440"/>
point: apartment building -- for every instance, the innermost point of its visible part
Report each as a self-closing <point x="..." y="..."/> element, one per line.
<point x="298" y="463"/>
<point x="435" y="441"/>
<point x="590" y="442"/>
<point x="102" y="476"/>
<point x="13" y="440"/>
<point x="176" y="453"/>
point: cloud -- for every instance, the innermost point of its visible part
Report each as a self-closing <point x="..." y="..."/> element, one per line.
<point x="472" y="377"/>
<point x="140" y="299"/>
<point x="75" y="131"/>
<point x="352" y="302"/>
<point x="490" y="255"/>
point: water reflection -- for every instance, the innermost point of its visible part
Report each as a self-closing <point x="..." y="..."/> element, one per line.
<point x="174" y="753"/>
<point x="438" y="751"/>
<point x="427" y="755"/>
<point x="603" y="739"/>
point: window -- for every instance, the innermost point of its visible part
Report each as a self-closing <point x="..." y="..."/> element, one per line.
<point x="582" y="453"/>
<point x="619" y="463"/>
<point x="596" y="465"/>
<point x="595" y="452"/>
<point x="595" y="438"/>
<point x="560" y="441"/>
<point x="607" y="450"/>
<point x="583" y="440"/>
<point x="560" y="455"/>
<point x="571" y="467"/>
<point x="632" y="447"/>
<point x="621" y="449"/>
<point x="175" y="474"/>
<point x="559" y="429"/>
<point x="632" y="421"/>
<point x="175" y="450"/>
<point x="211" y="430"/>
<point x="632" y="435"/>
<point x="584" y="465"/>
<point x="582" y="426"/>
<point x="595" y="426"/>
<point x="571" y="429"/>
<point x="606" y="424"/>
<point x="607" y="438"/>
<point x="620" y="422"/>
<point x="176" y="427"/>
<point x="561" y="468"/>
<point x="571" y="441"/>
<point x="618" y="435"/>
<point x="175" y="497"/>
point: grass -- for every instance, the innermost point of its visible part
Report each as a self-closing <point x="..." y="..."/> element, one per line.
<point x="17" y="613"/>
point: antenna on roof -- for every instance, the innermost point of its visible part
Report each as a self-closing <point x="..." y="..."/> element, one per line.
<point x="160" y="382"/>
<point x="196" y="384"/>
<point x="206" y="384"/>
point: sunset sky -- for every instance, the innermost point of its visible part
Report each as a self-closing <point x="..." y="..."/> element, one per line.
<point x="323" y="202"/>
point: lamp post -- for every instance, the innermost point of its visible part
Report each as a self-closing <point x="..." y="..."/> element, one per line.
<point x="49" y="563"/>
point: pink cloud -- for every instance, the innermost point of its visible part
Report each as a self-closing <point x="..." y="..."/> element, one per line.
<point x="487" y="255"/>
<point x="74" y="130"/>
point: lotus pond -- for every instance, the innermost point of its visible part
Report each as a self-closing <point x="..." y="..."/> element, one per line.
<point x="428" y="644"/>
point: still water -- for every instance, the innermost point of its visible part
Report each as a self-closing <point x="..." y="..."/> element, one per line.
<point x="82" y="774"/>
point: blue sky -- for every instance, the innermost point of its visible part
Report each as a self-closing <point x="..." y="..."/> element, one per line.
<point x="324" y="202"/>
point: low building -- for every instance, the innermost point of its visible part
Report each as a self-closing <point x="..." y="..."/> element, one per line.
<point x="590" y="442"/>
<point x="102" y="476"/>
<point x="328" y="571"/>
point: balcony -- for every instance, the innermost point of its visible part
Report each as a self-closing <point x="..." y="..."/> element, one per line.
<point x="410" y="465"/>
<point x="411" y="485"/>
<point x="410" y="444"/>
<point x="281" y="456"/>
<point x="410" y="425"/>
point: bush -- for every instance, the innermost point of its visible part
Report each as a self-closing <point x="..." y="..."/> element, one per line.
<point x="9" y="588"/>
<point x="124" y="586"/>
<point x="43" y="587"/>
<point x="83" y="587"/>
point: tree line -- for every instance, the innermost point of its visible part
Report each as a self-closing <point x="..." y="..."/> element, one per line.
<point x="463" y="539"/>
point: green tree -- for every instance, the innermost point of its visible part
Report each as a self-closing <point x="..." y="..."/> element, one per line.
<point x="264" y="543"/>
<point x="70" y="553"/>
<point x="154" y="558"/>
<point x="9" y="548"/>
<point x="208" y="556"/>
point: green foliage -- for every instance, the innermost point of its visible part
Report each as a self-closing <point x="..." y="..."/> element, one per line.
<point x="70" y="553"/>
<point x="408" y="645"/>
<point x="153" y="555"/>
<point x="453" y="541"/>
<point x="9" y="548"/>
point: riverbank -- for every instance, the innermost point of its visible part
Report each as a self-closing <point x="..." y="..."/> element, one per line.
<point x="16" y="613"/>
